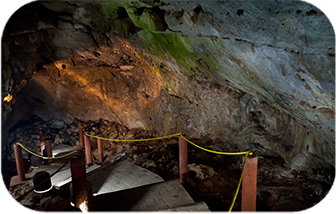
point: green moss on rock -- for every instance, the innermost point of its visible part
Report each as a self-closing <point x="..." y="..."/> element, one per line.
<point x="180" y="48"/>
<point x="111" y="8"/>
<point x="177" y="46"/>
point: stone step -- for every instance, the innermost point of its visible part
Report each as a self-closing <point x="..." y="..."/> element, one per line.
<point x="124" y="186"/>
<point x="155" y="197"/>
<point x="119" y="176"/>
<point x="61" y="178"/>
<point x="108" y="178"/>
<point x="195" y="207"/>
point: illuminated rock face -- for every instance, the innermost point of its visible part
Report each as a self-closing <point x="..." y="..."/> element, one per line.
<point x="248" y="75"/>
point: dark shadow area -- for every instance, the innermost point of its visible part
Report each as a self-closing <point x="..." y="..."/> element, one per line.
<point x="23" y="116"/>
<point x="8" y="170"/>
<point x="119" y="201"/>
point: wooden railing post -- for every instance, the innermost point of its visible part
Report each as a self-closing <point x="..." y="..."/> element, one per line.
<point x="183" y="151"/>
<point x="88" y="151"/>
<point x="81" y="138"/>
<point x="49" y="151"/>
<point x="19" y="162"/>
<point x="80" y="195"/>
<point x="42" y="143"/>
<point x="100" y="150"/>
<point x="249" y="184"/>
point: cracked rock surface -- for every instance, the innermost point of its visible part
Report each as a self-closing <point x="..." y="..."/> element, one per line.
<point x="235" y="75"/>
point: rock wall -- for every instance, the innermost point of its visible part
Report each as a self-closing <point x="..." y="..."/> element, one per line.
<point x="241" y="75"/>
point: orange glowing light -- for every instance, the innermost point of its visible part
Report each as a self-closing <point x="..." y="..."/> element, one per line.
<point x="8" y="98"/>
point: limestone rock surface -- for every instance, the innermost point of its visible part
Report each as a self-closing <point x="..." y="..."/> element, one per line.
<point x="241" y="75"/>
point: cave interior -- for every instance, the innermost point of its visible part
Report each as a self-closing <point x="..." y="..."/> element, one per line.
<point x="231" y="76"/>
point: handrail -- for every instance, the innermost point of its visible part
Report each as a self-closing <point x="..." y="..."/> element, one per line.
<point x="46" y="158"/>
<point x="246" y="153"/>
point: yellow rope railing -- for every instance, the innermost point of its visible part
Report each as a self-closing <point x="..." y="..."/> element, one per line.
<point x="133" y="140"/>
<point x="46" y="158"/>
<point x="216" y="152"/>
<point x="247" y="153"/>
<point x="36" y="147"/>
<point x="168" y="136"/>
<point x="240" y="180"/>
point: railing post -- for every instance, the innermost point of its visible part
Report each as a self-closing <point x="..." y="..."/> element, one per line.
<point x="19" y="162"/>
<point x="249" y="184"/>
<point x="81" y="138"/>
<point x="49" y="151"/>
<point x="183" y="151"/>
<point x="88" y="152"/>
<point x="42" y="143"/>
<point x="100" y="150"/>
<point x="80" y="196"/>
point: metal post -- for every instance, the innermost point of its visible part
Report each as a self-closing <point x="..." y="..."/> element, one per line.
<point x="42" y="143"/>
<point x="100" y="150"/>
<point x="49" y="151"/>
<point x="88" y="152"/>
<point x="19" y="162"/>
<point x="81" y="138"/>
<point x="249" y="184"/>
<point x="183" y="150"/>
<point x="80" y="196"/>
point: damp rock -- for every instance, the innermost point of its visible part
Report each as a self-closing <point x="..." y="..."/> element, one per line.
<point x="58" y="139"/>
<point x="288" y="205"/>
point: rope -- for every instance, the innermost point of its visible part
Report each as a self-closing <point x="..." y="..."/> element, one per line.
<point x="35" y="147"/>
<point x="31" y="148"/>
<point x="247" y="153"/>
<point x="168" y="136"/>
<point x="46" y="158"/>
<point x="134" y="140"/>
<point x="216" y="152"/>
<point x="240" y="180"/>
<point x="24" y="195"/>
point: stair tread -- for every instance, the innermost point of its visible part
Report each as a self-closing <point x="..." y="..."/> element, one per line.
<point x="120" y="176"/>
<point x="154" y="197"/>
<point x="197" y="206"/>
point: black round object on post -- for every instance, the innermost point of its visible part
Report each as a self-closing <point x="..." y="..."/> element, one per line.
<point x="36" y="161"/>
<point x="42" y="182"/>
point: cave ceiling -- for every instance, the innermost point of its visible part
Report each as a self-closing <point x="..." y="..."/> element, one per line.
<point x="257" y="75"/>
